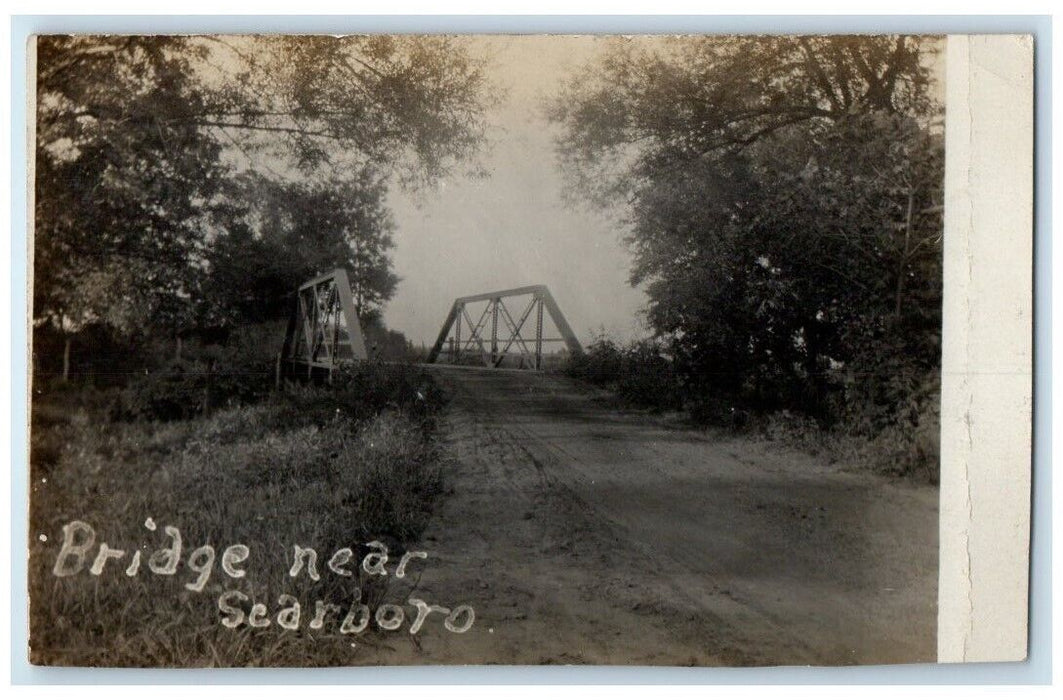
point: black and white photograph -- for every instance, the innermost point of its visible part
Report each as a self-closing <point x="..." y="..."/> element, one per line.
<point x="432" y="349"/>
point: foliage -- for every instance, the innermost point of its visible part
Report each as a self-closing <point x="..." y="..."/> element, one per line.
<point x="412" y="104"/>
<point x="386" y="344"/>
<point x="176" y="392"/>
<point x="205" y="377"/>
<point x="292" y="232"/>
<point x="367" y="388"/>
<point x="123" y="173"/>
<point x="642" y="108"/>
<point x="908" y="443"/>
<point x="638" y="372"/>
<point x="164" y="169"/>
<point x="188" y="388"/>
<point x="784" y="201"/>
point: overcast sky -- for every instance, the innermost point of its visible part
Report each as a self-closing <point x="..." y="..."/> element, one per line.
<point x="512" y="228"/>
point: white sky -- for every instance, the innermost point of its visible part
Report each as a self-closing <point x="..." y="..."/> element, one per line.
<point x="512" y="228"/>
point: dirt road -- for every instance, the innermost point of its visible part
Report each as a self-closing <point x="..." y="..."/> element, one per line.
<point x="582" y="533"/>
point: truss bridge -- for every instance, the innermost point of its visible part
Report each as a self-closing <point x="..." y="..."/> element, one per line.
<point x="512" y="335"/>
<point x="323" y="330"/>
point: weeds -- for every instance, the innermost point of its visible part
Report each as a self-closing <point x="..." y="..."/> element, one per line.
<point x="890" y="427"/>
<point x="314" y="466"/>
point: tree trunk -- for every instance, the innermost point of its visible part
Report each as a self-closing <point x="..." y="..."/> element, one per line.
<point x="66" y="357"/>
<point x="207" y="387"/>
<point x="902" y="267"/>
<point x="177" y="348"/>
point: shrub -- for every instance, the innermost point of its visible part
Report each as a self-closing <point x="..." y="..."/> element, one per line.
<point x="187" y="388"/>
<point x="908" y="446"/>
<point x="795" y="430"/>
<point x="638" y="372"/>
<point x="374" y="387"/>
<point x="601" y="364"/>
<point x="204" y="378"/>
<point x="361" y="391"/>
<point x="714" y="410"/>
<point x="175" y="392"/>
<point x="885" y="418"/>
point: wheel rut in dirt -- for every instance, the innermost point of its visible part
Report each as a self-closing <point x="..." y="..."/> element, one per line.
<point x="623" y="538"/>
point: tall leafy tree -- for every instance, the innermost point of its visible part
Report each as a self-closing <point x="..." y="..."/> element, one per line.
<point x="783" y="198"/>
<point x="139" y="139"/>
<point x="410" y="105"/>
<point x="123" y="174"/>
<point x="294" y="231"/>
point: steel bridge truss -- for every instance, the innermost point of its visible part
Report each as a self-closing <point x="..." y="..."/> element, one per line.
<point x="323" y="329"/>
<point x="497" y="333"/>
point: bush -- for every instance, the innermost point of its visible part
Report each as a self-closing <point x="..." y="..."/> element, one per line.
<point x="374" y="387"/>
<point x="883" y="416"/>
<point x="173" y="393"/>
<point x="909" y="446"/>
<point x="890" y="414"/>
<point x="363" y="390"/>
<point x="206" y="377"/>
<point x="639" y="373"/>
<point x="601" y="364"/>
<point x="714" y="410"/>
<point x="187" y="388"/>
<point x="795" y="430"/>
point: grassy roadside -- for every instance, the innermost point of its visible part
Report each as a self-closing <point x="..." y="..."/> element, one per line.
<point x="899" y="441"/>
<point x="322" y="468"/>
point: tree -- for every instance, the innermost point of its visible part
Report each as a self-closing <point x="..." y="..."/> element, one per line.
<point x="783" y="197"/>
<point x="139" y="138"/>
<point x="409" y="105"/>
<point x="122" y="175"/>
<point x="291" y="232"/>
<point x="641" y="108"/>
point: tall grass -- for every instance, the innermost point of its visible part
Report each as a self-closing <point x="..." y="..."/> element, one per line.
<point x="314" y="466"/>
